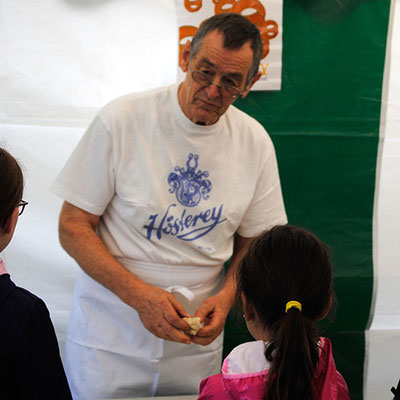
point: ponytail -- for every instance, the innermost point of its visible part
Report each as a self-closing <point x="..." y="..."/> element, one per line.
<point x="293" y="353"/>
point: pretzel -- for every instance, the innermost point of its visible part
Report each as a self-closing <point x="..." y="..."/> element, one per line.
<point x="268" y="28"/>
<point x="220" y="6"/>
<point x="193" y="5"/>
<point x="256" y="18"/>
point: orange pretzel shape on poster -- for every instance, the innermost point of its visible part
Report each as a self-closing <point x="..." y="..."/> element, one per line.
<point x="193" y="5"/>
<point x="269" y="29"/>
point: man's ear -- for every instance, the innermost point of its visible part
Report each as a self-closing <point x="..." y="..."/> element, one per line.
<point x="247" y="307"/>
<point x="250" y="85"/>
<point x="185" y="57"/>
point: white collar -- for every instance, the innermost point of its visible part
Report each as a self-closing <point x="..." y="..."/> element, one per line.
<point x="246" y="358"/>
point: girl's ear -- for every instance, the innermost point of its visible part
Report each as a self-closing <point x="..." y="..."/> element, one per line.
<point x="11" y="222"/>
<point x="7" y="231"/>
<point x="248" y="308"/>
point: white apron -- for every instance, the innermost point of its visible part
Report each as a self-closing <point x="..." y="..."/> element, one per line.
<point x="110" y="354"/>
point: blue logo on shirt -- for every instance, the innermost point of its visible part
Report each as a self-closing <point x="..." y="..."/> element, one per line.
<point x="186" y="226"/>
<point x="189" y="186"/>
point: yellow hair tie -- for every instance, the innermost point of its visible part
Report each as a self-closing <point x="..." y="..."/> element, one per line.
<point x="291" y="304"/>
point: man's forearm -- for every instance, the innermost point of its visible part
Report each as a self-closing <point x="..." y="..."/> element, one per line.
<point x="229" y="287"/>
<point x="79" y="239"/>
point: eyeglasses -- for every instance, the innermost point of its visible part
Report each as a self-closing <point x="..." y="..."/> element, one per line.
<point x="228" y="88"/>
<point x="21" y="206"/>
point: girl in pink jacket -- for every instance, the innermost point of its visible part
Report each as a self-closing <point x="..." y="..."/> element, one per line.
<point x="284" y="285"/>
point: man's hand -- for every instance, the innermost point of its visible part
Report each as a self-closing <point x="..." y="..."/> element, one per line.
<point x="212" y="312"/>
<point x="161" y="314"/>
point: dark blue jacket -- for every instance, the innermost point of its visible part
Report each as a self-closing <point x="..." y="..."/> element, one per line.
<point x="30" y="363"/>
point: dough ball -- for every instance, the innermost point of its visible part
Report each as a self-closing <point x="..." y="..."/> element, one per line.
<point x="194" y="323"/>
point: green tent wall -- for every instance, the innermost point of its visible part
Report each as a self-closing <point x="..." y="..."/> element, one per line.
<point x="324" y="123"/>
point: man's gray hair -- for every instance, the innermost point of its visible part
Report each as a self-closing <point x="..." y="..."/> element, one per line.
<point x="236" y="30"/>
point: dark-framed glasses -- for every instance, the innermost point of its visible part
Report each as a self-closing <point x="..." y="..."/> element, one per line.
<point x="21" y="206"/>
<point x="227" y="86"/>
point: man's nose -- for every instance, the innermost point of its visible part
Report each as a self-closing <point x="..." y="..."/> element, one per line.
<point x="213" y="90"/>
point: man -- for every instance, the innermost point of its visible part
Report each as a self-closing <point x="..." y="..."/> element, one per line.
<point x="154" y="194"/>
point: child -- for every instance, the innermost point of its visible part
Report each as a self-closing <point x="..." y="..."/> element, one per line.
<point x="284" y="284"/>
<point x="30" y="364"/>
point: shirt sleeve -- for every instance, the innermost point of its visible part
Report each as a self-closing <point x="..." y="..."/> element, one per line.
<point x="88" y="178"/>
<point x="266" y="208"/>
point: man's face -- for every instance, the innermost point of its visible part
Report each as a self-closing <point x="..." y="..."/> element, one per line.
<point x="205" y="104"/>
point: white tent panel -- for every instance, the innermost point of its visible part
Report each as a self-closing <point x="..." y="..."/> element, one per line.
<point x="60" y="61"/>
<point x="383" y="338"/>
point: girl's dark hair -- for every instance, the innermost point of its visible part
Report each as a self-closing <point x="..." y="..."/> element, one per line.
<point x="11" y="185"/>
<point x="283" y="264"/>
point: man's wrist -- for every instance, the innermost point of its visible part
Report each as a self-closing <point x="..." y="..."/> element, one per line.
<point x="131" y="290"/>
<point x="227" y="295"/>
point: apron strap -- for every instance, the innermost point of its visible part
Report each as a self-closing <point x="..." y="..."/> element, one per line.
<point x="185" y="292"/>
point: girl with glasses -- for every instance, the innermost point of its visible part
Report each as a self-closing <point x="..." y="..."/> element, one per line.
<point x="30" y="363"/>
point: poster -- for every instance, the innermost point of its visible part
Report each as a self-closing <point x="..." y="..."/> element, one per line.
<point x="265" y="14"/>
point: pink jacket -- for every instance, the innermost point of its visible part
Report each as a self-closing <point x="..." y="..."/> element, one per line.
<point x="245" y="370"/>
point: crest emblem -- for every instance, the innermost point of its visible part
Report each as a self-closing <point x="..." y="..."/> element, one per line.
<point x="189" y="185"/>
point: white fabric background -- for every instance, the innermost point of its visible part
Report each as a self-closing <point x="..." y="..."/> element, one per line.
<point x="62" y="60"/>
<point x="59" y="62"/>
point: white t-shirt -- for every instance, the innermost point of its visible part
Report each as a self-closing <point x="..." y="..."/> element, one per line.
<point x="170" y="191"/>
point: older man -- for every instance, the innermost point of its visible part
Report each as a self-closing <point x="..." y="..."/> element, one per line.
<point x="164" y="187"/>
